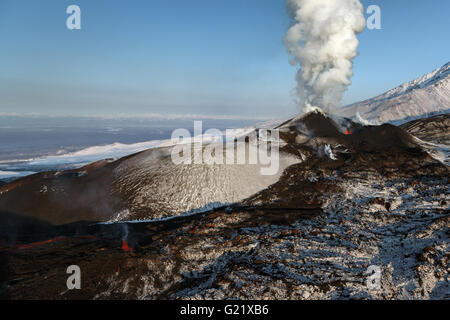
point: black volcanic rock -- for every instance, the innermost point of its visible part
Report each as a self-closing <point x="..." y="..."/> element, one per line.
<point x="312" y="235"/>
<point x="379" y="201"/>
<point x="321" y="129"/>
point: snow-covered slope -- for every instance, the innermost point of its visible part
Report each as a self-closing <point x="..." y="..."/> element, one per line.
<point x="152" y="186"/>
<point x="429" y="94"/>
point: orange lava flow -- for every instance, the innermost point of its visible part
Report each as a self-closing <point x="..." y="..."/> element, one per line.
<point x="126" y="247"/>
<point x="31" y="245"/>
<point x="15" y="247"/>
<point x="348" y="132"/>
<point x="38" y="244"/>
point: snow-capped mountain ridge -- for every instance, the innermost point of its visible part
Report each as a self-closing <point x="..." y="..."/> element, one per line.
<point x="420" y="97"/>
<point x="422" y="82"/>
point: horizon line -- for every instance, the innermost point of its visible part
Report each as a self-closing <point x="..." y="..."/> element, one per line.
<point x="147" y="116"/>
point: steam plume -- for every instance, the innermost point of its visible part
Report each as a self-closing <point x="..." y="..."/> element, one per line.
<point x="323" y="42"/>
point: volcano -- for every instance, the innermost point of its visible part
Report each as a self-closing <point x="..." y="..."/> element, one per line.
<point x="340" y="204"/>
<point x="148" y="185"/>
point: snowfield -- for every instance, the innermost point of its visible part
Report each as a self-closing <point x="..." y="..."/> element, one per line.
<point x="155" y="187"/>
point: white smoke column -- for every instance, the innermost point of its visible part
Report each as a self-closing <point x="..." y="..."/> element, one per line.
<point x="323" y="42"/>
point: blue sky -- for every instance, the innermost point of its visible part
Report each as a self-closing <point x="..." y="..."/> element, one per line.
<point x="209" y="57"/>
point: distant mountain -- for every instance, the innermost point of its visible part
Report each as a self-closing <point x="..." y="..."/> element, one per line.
<point x="427" y="95"/>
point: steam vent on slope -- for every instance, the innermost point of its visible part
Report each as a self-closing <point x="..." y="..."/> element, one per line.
<point x="346" y="197"/>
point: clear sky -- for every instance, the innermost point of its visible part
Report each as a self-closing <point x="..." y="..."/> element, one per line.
<point x="209" y="57"/>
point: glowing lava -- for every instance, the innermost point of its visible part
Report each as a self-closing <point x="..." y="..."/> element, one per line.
<point x="126" y="247"/>
<point x="348" y="132"/>
<point x="19" y="246"/>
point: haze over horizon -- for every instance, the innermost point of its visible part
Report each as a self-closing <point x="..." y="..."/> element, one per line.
<point x="205" y="58"/>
